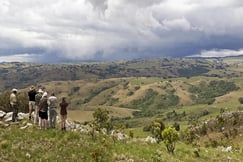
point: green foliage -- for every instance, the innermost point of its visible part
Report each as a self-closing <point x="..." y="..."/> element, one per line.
<point x="196" y="152"/>
<point x="189" y="136"/>
<point x="147" y="128"/>
<point x="155" y="101"/>
<point x="241" y="100"/>
<point x="32" y="144"/>
<point x="192" y="71"/>
<point x="170" y="137"/>
<point x="204" y="129"/>
<point x="146" y="101"/>
<point x="157" y="127"/>
<point x="101" y="119"/>
<point x="23" y="102"/>
<point x="206" y="94"/>
<point x="51" y="145"/>
<point x="4" y="102"/>
<point x="99" y="153"/>
<point x="97" y="90"/>
<point x="213" y="143"/>
<point x="176" y="126"/>
<point x="131" y="134"/>
<point x="220" y="122"/>
<point x="130" y="93"/>
<point x="157" y="156"/>
<point x="136" y="87"/>
<point x="76" y="89"/>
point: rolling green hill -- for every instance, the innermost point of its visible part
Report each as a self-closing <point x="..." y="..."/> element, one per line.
<point x="147" y="97"/>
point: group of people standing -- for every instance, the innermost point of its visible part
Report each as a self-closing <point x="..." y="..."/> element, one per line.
<point x="44" y="108"/>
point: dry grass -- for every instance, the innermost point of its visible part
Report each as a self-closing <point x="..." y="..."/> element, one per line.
<point x="80" y="115"/>
<point x="86" y="113"/>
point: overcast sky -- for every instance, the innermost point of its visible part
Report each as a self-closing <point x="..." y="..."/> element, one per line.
<point x="81" y="30"/>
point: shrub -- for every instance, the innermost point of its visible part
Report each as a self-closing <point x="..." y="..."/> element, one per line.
<point x="157" y="156"/>
<point x="147" y="128"/>
<point x="101" y="118"/>
<point x="176" y="126"/>
<point x="189" y="136"/>
<point x="136" y="88"/>
<point x="241" y="100"/>
<point x="75" y="89"/>
<point x="170" y="137"/>
<point x="130" y="93"/>
<point x="213" y="143"/>
<point x="157" y="127"/>
<point x="203" y="129"/>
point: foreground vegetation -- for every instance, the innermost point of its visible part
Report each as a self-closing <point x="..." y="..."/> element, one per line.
<point x="33" y="144"/>
<point x="203" y="142"/>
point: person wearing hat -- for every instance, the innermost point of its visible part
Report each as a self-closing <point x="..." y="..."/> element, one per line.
<point x="31" y="94"/>
<point x="14" y="104"/>
<point x="38" y="97"/>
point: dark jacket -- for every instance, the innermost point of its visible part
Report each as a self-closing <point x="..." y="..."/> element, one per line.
<point x="43" y="104"/>
<point x="31" y="95"/>
<point x="63" y="106"/>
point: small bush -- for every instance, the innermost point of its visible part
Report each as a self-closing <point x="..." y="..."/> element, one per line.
<point x="240" y="100"/>
<point x="170" y="137"/>
<point x="157" y="156"/>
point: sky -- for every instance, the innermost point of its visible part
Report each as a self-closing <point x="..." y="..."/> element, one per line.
<point x="108" y="30"/>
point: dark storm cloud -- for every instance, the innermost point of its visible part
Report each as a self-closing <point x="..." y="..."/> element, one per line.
<point x="118" y="29"/>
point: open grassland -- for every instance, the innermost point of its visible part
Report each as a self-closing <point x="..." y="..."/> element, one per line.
<point x="33" y="144"/>
<point x="86" y="113"/>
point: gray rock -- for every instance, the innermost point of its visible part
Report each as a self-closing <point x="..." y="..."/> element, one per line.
<point x="2" y="114"/>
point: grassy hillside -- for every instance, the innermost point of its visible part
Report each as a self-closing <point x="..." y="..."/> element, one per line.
<point x="147" y="97"/>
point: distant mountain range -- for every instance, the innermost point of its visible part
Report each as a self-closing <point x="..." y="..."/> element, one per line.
<point x="21" y="75"/>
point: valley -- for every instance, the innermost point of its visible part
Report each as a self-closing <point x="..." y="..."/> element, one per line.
<point x="202" y="97"/>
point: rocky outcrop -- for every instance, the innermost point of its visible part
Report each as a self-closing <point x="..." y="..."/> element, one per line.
<point x="24" y="123"/>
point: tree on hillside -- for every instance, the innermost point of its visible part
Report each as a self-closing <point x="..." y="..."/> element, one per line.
<point x="157" y="127"/>
<point x="101" y="119"/>
<point x="241" y="100"/>
<point x="170" y="137"/>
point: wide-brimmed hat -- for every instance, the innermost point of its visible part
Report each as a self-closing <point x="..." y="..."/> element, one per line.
<point x="14" y="90"/>
<point x="32" y="87"/>
<point x="44" y="94"/>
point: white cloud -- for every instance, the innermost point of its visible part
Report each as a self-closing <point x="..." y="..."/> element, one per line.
<point x="219" y="53"/>
<point x="91" y="29"/>
<point x="19" y="58"/>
